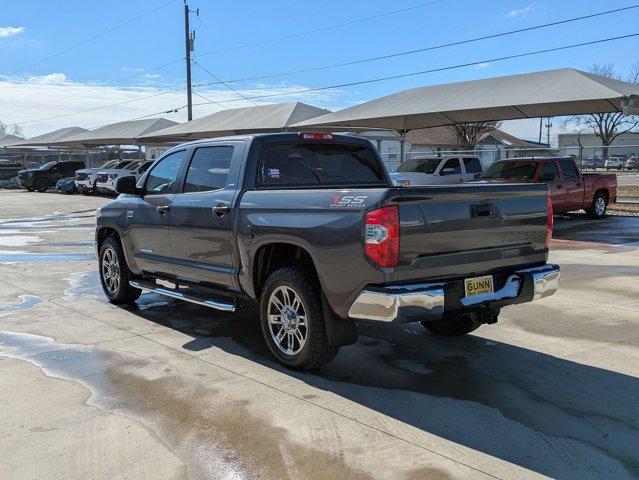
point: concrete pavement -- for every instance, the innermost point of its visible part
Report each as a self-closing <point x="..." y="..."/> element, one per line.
<point x="173" y="390"/>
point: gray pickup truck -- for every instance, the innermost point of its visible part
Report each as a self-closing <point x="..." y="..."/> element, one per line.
<point x="309" y="227"/>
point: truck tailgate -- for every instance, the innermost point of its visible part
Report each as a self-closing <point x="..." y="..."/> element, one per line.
<point x="461" y="230"/>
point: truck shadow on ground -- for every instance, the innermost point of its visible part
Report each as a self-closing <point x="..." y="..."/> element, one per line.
<point x="611" y="230"/>
<point x="553" y="416"/>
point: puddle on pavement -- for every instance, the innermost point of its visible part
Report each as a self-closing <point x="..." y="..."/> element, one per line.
<point x="13" y="257"/>
<point x="18" y="240"/>
<point x="216" y="437"/>
<point x="26" y="302"/>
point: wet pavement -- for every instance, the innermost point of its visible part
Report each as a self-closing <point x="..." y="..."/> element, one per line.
<point x="166" y="389"/>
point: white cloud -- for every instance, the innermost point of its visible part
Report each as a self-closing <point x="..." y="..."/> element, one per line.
<point x="481" y="66"/>
<point x="520" y="11"/>
<point x="10" y="31"/>
<point x="52" y="95"/>
<point x="49" y="79"/>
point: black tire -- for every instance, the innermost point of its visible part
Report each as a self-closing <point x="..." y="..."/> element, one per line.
<point x="30" y="189"/>
<point x="42" y="185"/>
<point x="452" y="326"/>
<point x="119" y="291"/>
<point x="316" y="350"/>
<point x="599" y="206"/>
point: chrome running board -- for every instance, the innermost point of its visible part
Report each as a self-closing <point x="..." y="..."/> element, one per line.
<point x="167" y="292"/>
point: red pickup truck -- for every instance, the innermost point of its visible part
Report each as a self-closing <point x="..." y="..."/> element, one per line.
<point x="570" y="189"/>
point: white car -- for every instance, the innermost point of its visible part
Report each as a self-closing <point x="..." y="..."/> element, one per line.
<point x="430" y="170"/>
<point x="85" y="179"/>
<point x="107" y="179"/>
<point x="616" y="163"/>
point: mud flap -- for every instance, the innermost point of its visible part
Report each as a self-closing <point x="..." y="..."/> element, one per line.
<point x="340" y="332"/>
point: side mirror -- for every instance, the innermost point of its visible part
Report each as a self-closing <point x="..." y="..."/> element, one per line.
<point x="128" y="185"/>
<point x="547" y="177"/>
<point x="447" y="171"/>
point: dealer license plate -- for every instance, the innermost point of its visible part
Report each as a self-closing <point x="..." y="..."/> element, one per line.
<point x="478" y="285"/>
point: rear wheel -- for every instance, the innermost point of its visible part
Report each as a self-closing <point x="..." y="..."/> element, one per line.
<point x="30" y="189"/>
<point x="292" y="320"/>
<point x="452" y="326"/>
<point x="114" y="273"/>
<point x="598" y="206"/>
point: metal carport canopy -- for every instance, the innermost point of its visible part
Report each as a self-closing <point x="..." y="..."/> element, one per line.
<point x="120" y="133"/>
<point x="540" y="94"/>
<point x="259" y="119"/>
<point x="50" y="138"/>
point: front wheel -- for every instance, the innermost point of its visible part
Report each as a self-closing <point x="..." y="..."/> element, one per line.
<point x="42" y="186"/>
<point x="452" y="326"/>
<point x="114" y="273"/>
<point x="598" y="207"/>
<point x="292" y="320"/>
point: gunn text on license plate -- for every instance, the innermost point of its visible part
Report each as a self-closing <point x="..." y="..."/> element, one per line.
<point x="478" y="285"/>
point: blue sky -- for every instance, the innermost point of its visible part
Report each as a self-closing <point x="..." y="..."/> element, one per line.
<point x="81" y="79"/>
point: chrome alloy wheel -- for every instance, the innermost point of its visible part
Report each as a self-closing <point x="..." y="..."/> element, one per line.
<point x="600" y="206"/>
<point x="110" y="270"/>
<point x="287" y="321"/>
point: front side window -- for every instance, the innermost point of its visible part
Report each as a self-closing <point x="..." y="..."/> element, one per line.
<point x="451" y="167"/>
<point x="162" y="177"/>
<point x="472" y="165"/>
<point x="307" y="164"/>
<point x="568" y="169"/>
<point x="548" y="172"/>
<point x="209" y="169"/>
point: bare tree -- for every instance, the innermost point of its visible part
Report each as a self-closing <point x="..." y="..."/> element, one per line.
<point x="15" y="130"/>
<point x="468" y="134"/>
<point x="608" y="126"/>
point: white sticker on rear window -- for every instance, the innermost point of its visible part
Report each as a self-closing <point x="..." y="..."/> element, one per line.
<point x="273" y="173"/>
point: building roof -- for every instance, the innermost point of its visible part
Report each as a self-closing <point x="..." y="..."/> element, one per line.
<point x="444" y="137"/>
<point x="237" y="121"/>
<point x="538" y="94"/>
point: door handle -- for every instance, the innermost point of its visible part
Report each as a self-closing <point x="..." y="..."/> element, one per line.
<point x="221" y="209"/>
<point x="162" y="209"/>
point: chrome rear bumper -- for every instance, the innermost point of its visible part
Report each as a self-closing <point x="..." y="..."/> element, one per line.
<point x="412" y="303"/>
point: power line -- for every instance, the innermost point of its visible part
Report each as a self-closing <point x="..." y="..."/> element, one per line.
<point x="322" y="29"/>
<point x="224" y="83"/>
<point x="157" y="94"/>
<point x="95" y="37"/>
<point x="440" y="69"/>
<point x="425" y="49"/>
<point x="108" y="84"/>
<point x="211" y="101"/>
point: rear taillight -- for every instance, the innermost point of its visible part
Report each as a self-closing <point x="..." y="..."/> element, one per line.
<point x="549" y="221"/>
<point x="316" y="136"/>
<point x="381" y="236"/>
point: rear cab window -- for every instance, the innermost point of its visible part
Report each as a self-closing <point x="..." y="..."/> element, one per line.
<point x="309" y="164"/>
<point x="472" y="165"/>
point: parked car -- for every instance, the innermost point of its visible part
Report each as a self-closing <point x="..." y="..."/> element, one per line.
<point x="569" y="188"/>
<point x="615" y="162"/>
<point x="46" y="176"/>
<point x="66" y="185"/>
<point x="632" y="163"/>
<point x="309" y="227"/>
<point x="86" y="178"/>
<point x="106" y="179"/>
<point x="592" y="163"/>
<point x="429" y="170"/>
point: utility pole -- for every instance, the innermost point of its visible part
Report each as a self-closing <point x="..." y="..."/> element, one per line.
<point x="548" y="127"/>
<point x="189" y="39"/>
<point x="541" y="125"/>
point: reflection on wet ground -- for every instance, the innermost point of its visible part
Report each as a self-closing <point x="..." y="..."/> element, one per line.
<point x="20" y="257"/>
<point x="550" y="415"/>
<point x="215" y="436"/>
<point x="612" y="231"/>
<point x="26" y="302"/>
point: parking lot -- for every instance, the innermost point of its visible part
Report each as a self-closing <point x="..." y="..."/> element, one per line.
<point x="175" y="390"/>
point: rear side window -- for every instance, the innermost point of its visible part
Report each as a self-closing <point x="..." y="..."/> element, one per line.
<point x="472" y="165"/>
<point x="305" y="164"/>
<point x="209" y="169"/>
<point x="568" y="169"/>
